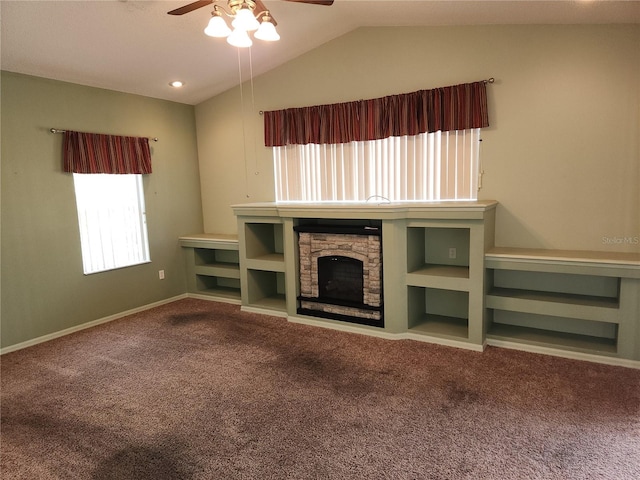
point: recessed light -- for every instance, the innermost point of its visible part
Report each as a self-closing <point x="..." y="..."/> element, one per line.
<point x="177" y="84"/>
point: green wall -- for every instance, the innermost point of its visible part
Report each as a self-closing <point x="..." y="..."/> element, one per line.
<point x="43" y="288"/>
<point x="562" y="154"/>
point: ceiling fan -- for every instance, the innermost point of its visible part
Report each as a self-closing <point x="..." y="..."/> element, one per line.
<point x="245" y="14"/>
<point x="236" y="4"/>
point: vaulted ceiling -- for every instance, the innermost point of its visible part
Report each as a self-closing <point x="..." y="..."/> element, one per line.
<point x="136" y="47"/>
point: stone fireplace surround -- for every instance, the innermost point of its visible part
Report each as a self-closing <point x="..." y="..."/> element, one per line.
<point x="362" y="245"/>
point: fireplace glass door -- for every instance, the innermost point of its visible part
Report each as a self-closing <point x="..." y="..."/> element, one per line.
<point x="340" y="278"/>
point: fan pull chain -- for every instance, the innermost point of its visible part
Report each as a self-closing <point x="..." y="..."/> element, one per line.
<point x="244" y="133"/>
<point x="253" y="109"/>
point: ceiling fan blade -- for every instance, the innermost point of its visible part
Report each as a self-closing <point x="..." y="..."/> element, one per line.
<point x="191" y="7"/>
<point x="313" y="2"/>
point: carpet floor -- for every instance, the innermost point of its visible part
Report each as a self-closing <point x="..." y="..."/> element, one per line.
<point x="200" y="390"/>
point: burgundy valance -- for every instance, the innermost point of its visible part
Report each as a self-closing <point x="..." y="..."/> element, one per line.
<point x="97" y="153"/>
<point x="458" y="107"/>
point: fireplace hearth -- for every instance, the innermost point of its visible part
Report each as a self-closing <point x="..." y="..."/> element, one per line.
<point x="341" y="273"/>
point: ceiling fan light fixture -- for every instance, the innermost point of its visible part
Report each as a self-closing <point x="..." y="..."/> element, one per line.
<point x="239" y="38"/>
<point x="217" y="27"/>
<point x="267" y="30"/>
<point x="245" y="20"/>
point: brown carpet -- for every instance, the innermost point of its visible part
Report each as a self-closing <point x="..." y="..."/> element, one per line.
<point x="200" y="390"/>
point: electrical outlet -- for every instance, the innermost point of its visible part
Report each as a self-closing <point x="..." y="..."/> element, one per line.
<point x="161" y="274"/>
<point x="452" y="252"/>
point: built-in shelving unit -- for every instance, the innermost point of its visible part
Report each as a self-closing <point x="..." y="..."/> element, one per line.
<point x="443" y="273"/>
<point x="213" y="266"/>
<point x="263" y="265"/>
<point x="442" y="278"/>
<point x="433" y="254"/>
<point x="586" y="302"/>
<point x="439" y="313"/>
<point x="263" y="245"/>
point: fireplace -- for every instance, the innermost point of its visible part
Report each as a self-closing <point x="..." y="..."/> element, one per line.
<point x="340" y="278"/>
<point x="341" y="273"/>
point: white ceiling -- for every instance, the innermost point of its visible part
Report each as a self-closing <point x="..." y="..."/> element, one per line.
<point x="135" y="47"/>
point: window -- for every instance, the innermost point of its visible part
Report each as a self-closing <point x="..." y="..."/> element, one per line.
<point x="434" y="166"/>
<point x="418" y="146"/>
<point x="112" y="221"/>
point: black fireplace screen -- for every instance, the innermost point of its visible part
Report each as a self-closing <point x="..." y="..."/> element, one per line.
<point x="340" y="278"/>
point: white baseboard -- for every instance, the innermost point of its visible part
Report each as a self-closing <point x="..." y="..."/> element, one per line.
<point x="84" y="326"/>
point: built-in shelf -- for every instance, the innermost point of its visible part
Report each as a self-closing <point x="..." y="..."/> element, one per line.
<point x="213" y="266"/>
<point x="442" y="326"/>
<point x="582" y="262"/>
<point x="441" y="250"/>
<point x="442" y="260"/>
<point x="219" y="287"/>
<point x="450" y="277"/>
<point x="558" y="304"/>
<point x="555" y="297"/>
<point x="262" y="263"/>
<point x="566" y="300"/>
<point x="271" y="262"/>
<point x="438" y="312"/>
<point x="444" y="281"/>
<point x="209" y="240"/>
<point x="218" y="270"/>
<point x="276" y="302"/>
<point x="453" y="271"/>
<point x="552" y="339"/>
<point x="264" y="241"/>
<point x="266" y="289"/>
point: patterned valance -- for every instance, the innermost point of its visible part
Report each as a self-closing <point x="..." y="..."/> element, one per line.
<point x="457" y="107"/>
<point x="97" y="153"/>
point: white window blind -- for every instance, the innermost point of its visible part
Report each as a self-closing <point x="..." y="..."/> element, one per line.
<point x="426" y="167"/>
<point x="111" y="217"/>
